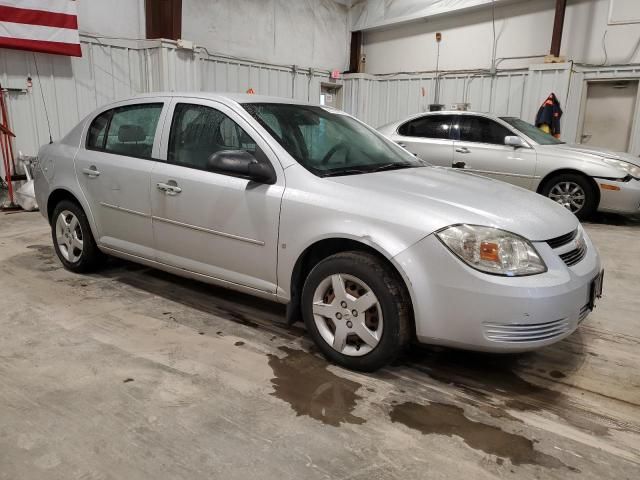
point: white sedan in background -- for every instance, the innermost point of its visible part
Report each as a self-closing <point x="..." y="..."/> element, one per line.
<point x="582" y="179"/>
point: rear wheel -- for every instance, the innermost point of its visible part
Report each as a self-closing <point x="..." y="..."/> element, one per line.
<point x="574" y="192"/>
<point x="357" y="310"/>
<point x="72" y="238"/>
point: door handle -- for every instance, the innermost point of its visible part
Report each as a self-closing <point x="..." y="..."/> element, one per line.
<point x="403" y="145"/>
<point x="169" y="189"/>
<point x="459" y="165"/>
<point x="91" y="172"/>
<point x="463" y="150"/>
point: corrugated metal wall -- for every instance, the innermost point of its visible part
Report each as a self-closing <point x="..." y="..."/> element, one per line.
<point x="382" y="99"/>
<point x="113" y="69"/>
<point x="67" y="89"/>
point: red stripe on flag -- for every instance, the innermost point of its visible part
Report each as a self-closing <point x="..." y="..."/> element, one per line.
<point x="38" y="17"/>
<point x="58" y="48"/>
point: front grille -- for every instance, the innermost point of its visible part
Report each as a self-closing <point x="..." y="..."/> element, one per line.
<point x="531" y="332"/>
<point x="562" y="239"/>
<point x="574" y="256"/>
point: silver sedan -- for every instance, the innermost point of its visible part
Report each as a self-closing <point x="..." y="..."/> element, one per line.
<point x="580" y="178"/>
<point x="307" y="206"/>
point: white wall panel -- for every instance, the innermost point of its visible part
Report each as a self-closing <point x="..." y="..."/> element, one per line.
<point x="309" y="33"/>
<point x="523" y="29"/>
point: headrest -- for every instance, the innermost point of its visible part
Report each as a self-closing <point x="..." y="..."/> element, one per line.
<point x="131" y="133"/>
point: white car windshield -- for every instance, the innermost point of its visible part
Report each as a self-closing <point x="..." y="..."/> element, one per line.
<point x="328" y="142"/>
<point x="534" y="133"/>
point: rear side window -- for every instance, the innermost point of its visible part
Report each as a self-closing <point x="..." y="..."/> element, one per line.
<point x="98" y="130"/>
<point x="126" y="130"/>
<point x="481" y="130"/>
<point x="198" y="131"/>
<point x="430" y="126"/>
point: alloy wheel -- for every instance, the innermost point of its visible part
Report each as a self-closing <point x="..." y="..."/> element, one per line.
<point x="568" y="194"/>
<point x="69" y="236"/>
<point x="347" y="314"/>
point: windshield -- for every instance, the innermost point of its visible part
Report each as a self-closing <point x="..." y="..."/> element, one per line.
<point x="532" y="132"/>
<point x="328" y="142"/>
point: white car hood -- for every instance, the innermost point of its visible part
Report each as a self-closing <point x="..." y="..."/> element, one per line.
<point x="598" y="152"/>
<point x="436" y="197"/>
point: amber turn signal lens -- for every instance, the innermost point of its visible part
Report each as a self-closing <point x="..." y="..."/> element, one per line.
<point x="606" y="186"/>
<point x="489" y="252"/>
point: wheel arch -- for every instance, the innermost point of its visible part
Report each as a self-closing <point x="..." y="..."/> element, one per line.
<point x="571" y="171"/>
<point x="61" y="193"/>
<point x="56" y="196"/>
<point x="323" y="248"/>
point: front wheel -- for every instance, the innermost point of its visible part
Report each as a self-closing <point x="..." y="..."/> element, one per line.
<point x="574" y="192"/>
<point x="72" y="238"/>
<point x="357" y="311"/>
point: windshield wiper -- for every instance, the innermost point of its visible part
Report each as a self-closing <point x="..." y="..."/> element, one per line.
<point x="345" y="171"/>
<point x="368" y="169"/>
<point x="393" y="166"/>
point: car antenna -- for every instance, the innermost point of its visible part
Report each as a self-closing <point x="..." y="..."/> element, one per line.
<point x="44" y="103"/>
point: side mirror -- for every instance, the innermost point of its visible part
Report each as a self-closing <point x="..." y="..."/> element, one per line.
<point x="515" y="141"/>
<point x="240" y="163"/>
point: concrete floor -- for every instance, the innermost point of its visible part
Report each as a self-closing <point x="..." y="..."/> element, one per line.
<point x="132" y="373"/>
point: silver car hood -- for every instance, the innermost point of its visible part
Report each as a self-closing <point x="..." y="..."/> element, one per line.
<point x="597" y="152"/>
<point x="437" y="197"/>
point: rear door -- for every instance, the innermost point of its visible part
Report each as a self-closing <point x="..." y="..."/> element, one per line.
<point x="428" y="137"/>
<point x="479" y="147"/>
<point x="113" y="168"/>
<point x="211" y="223"/>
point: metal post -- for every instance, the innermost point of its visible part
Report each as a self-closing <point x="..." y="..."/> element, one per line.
<point x="558" y="24"/>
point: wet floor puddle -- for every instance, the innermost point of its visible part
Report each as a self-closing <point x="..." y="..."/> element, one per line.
<point x="304" y="382"/>
<point x="449" y="420"/>
<point x="44" y="260"/>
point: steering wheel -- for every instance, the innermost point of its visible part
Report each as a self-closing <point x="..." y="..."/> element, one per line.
<point x="333" y="150"/>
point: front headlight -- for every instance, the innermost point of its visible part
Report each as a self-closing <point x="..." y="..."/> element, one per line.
<point x="492" y="250"/>
<point x="628" y="168"/>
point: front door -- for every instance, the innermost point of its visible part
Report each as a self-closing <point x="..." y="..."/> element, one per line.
<point x="214" y="224"/>
<point x="479" y="148"/>
<point x="428" y="138"/>
<point x="113" y="168"/>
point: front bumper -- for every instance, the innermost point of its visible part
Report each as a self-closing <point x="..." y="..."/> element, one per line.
<point x="624" y="200"/>
<point x="458" y="306"/>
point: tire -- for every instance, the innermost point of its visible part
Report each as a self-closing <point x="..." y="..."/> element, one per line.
<point x="385" y="325"/>
<point x="66" y="232"/>
<point x="557" y="185"/>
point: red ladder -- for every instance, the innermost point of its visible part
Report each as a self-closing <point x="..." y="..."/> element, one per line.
<point x="5" y="145"/>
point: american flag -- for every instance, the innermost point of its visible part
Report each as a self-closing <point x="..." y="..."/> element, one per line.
<point x="49" y="26"/>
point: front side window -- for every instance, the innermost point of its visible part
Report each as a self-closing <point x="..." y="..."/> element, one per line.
<point x="430" y="126"/>
<point x="198" y="131"/>
<point x="128" y="130"/>
<point x="480" y="129"/>
<point x="329" y="142"/>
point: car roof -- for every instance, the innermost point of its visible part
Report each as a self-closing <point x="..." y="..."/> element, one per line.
<point x="457" y="112"/>
<point x="397" y="123"/>
<point x="223" y="97"/>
